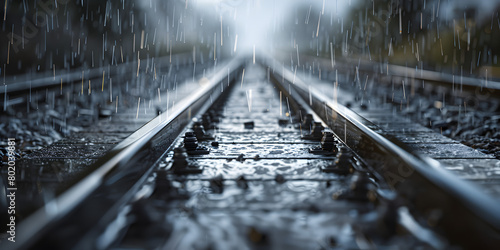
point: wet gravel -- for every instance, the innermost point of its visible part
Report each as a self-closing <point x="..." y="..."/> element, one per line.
<point x="470" y="115"/>
<point x="477" y="127"/>
<point x="53" y="114"/>
<point x="48" y="120"/>
<point x="33" y="133"/>
<point x="468" y="118"/>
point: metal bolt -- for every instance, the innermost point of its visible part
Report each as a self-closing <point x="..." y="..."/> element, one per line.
<point x="199" y="130"/>
<point x="249" y="125"/>
<point x="317" y="129"/>
<point x="190" y="141"/>
<point x="344" y="157"/>
<point x="241" y="158"/>
<point x="180" y="159"/>
<point x="327" y="141"/>
<point x="280" y="179"/>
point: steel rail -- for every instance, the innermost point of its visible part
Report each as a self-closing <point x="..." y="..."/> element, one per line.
<point x="393" y="70"/>
<point x="15" y="84"/>
<point x="111" y="173"/>
<point x="467" y="215"/>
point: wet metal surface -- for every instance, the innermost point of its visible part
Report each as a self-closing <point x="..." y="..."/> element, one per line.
<point x="482" y="172"/>
<point x="401" y="167"/>
<point x="44" y="174"/>
<point x="461" y="160"/>
<point x="43" y="178"/>
<point x="116" y="176"/>
<point x="261" y="187"/>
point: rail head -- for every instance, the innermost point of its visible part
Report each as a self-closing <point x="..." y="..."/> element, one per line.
<point x="125" y="151"/>
<point x="480" y="82"/>
<point x="413" y="176"/>
<point x="32" y="81"/>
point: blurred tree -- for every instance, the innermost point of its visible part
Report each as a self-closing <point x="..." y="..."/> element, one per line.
<point x="39" y="35"/>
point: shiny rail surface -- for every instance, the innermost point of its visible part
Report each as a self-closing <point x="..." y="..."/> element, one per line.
<point x="267" y="170"/>
<point x="119" y="170"/>
<point x="391" y="70"/>
<point x="24" y="83"/>
<point x="418" y="180"/>
<point x="259" y="176"/>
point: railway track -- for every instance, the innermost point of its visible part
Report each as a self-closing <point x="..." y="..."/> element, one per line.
<point x="459" y="82"/>
<point x="450" y="109"/>
<point x="402" y="85"/>
<point x="257" y="159"/>
<point x="23" y="83"/>
<point x="30" y="89"/>
<point x="44" y="109"/>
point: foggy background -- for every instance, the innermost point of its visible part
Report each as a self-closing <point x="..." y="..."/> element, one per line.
<point x="460" y="37"/>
